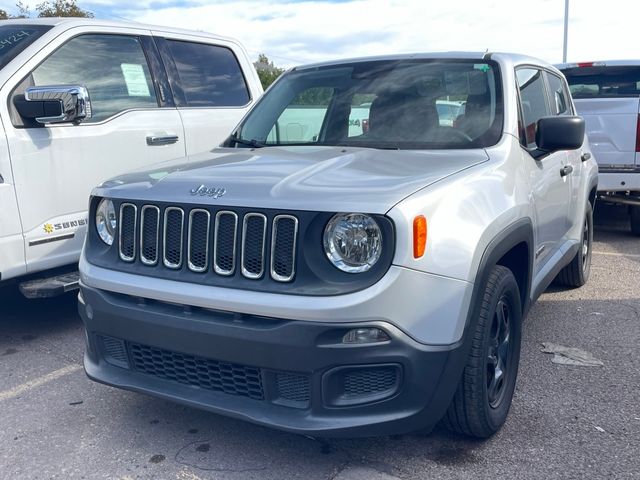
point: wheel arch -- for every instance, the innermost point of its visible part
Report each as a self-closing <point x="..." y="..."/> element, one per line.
<point x="593" y="193"/>
<point x="513" y="248"/>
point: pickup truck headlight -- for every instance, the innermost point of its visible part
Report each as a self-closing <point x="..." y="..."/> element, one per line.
<point x="106" y="221"/>
<point x="352" y="242"/>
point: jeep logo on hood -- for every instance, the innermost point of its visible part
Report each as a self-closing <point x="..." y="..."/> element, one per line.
<point x="205" y="191"/>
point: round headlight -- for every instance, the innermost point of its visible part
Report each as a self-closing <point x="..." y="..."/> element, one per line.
<point x="106" y="221"/>
<point x="353" y="242"/>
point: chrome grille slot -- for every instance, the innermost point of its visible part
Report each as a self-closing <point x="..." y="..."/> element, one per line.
<point x="224" y="249"/>
<point x="198" y="242"/>
<point x="173" y="237"/>
<point x="245" y="245"/>
<point x="127" y="232"/>
<point x="254" y="227"/>
<point x="284" y="234"/>
<point x="149" y="233"/>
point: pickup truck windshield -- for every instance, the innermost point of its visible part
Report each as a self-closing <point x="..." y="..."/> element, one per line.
<point x="15" y="38"/>
<point x="603" y="81"/>
<point x="394" y="104"/>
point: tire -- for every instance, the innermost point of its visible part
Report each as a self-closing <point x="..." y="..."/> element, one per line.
<point x="483" y="397"/>
<point x="634" y="214"/>
<point x="576" y="273"/>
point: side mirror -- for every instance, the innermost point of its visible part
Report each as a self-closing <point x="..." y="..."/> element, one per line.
<point x="558" y="133"/>
<point x="55" y="104"/>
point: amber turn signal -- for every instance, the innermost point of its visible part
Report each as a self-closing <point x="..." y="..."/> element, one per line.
<point x="419" y="236"/>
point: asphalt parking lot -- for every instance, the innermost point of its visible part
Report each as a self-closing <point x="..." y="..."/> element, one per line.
<point x="565" y="422"/>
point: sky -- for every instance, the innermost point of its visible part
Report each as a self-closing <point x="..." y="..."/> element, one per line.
<point x="295" y="32"/>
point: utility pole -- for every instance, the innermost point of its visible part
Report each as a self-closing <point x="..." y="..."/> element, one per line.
<point x="566" y="30"/>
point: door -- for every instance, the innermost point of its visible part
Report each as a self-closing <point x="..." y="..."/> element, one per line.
<point x="56" y="166"/>
<point x="561" y="105"/>
<point x="551" y="193"/>
<point x="211" y="92"/>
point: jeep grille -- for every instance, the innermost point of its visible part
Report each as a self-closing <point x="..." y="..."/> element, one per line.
<point x="209" y="242"/>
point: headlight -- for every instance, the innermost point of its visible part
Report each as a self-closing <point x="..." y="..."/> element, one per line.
<point x="353" y="242"/>
<point x="106" y="221"/>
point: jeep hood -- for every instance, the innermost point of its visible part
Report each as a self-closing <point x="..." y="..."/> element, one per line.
<point x="295" y="178"/>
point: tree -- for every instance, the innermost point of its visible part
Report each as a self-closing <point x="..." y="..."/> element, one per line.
<point x="23" y="11"/>
<point x="49" y="8"/>
<point x="61" y="8"/>
<point x="267" y="71"/>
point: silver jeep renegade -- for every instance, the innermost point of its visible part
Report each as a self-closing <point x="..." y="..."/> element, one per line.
<point x="357" y="258"/>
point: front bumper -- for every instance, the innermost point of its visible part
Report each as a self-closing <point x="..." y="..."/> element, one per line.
<point x="288" y="374"/>
<point x="431" y="309"/>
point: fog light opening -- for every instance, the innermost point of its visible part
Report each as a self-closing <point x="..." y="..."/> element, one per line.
<point x="365" y="335"/>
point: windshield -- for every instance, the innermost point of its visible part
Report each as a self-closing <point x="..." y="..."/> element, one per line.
<point x="397" y="104"/>
<point x="602" y="81"/>
<point x="15" y="38"/>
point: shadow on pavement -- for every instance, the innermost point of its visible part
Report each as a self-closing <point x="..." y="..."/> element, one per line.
<point x="36" y="317"/>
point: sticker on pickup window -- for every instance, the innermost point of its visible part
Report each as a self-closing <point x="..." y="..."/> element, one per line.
<point x="135" y="79"/>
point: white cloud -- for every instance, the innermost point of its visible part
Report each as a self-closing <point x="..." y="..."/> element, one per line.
<point x="300" y="32"/>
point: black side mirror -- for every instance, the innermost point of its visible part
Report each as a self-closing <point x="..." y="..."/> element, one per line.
<point x="558" y="133"/>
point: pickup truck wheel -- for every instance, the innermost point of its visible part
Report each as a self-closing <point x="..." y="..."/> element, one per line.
<point x="634" y="213"/>
<point x="576" y="273"/>
<point x="482" y="400"/>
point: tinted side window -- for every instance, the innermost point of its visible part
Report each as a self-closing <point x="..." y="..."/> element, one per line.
<point x="209" y="75"/>
<point x="112" y="67"/>
<point x="559" y="95"/>
<point x="533" y="100"/>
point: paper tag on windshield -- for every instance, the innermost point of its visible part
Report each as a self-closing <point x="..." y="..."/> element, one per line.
<point x="135" y="79"/>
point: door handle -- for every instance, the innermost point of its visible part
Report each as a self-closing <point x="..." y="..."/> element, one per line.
<point x="585" y="156"/>
<point x="566" y="170"/>
<point x="153" y="140"/>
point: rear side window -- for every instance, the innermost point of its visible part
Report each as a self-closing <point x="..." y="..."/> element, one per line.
<point x="601" y="81"/>
<point x="112" y="67"/>
<point x="559" y="95"/>
<point x="533" y="100"/>
<point x="209" y="75"/>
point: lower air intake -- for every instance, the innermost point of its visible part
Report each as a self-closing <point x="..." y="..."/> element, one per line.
<point x="233" y="379"/>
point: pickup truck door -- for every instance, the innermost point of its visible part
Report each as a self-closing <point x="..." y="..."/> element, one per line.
<point x="551" y="187"/>
<point x="213" y="84"/>
<point x="55" y="166"/>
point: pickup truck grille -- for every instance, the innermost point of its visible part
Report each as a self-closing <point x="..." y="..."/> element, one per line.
<point x="218" y="242"/>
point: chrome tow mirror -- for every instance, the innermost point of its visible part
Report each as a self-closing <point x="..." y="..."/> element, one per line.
<point x="58" y="103"/>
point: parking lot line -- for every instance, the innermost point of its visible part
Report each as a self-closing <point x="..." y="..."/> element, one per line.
<point x="31" y="384"/>
<point x="617" y="254"/>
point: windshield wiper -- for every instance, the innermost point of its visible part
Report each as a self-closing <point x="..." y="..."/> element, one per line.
<point x="250" y="143"/>
<point x="376" y="144"/>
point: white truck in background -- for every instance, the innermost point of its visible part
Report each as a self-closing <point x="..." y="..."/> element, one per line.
<point x="82" y="100"/>
<point x="607" y="96"/>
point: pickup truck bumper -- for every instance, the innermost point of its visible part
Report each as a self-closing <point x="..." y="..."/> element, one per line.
<point x="619" y="181"/>
<point x="293" y="375"/>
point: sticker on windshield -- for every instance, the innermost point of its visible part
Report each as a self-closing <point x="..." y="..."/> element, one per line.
<point x="135" y="79"/>
<point x="483" y="67"/>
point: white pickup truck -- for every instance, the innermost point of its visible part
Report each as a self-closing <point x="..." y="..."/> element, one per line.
<point x="82" y="100"/>
<point x="607" y="96"/>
